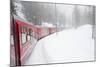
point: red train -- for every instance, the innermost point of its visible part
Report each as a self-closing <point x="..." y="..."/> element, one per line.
<point x="41" y="32"/>
<point x="24" y="38"/>
<point x="24" y="42"/>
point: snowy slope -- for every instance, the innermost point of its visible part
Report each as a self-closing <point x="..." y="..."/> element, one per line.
<point x="69" y="45"/>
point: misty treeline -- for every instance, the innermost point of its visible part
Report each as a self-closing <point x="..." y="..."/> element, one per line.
<point x="60" y="15"/>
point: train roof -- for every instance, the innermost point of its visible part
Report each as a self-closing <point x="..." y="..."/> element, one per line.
<point x="23" y="20"/>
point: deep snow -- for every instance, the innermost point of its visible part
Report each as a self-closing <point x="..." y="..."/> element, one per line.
<point x="69" y="45"/>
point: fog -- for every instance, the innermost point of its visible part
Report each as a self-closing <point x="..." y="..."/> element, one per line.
<point x="61" y="15"/>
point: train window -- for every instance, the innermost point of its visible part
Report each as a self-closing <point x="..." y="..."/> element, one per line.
<point x="30" y="32"/>
<point x="23" y="34"/>
<point x="28" y="37"/>
<point x="23" y="29"/>
<point x="11" y="40"/>
<point x="23" y="38"/>
<point x="33" y="33"/>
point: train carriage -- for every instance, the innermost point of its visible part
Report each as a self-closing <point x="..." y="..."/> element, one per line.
<point x="25" y="41"/>
<point x="24" y="38"/>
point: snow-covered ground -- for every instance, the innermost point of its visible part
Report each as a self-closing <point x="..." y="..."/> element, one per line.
<point x="69" y="45"/>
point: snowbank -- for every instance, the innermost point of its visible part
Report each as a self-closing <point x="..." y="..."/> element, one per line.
<point x="70" y="45"/>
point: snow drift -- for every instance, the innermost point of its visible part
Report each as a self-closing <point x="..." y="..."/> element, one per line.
<point x="69" y="45"/>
